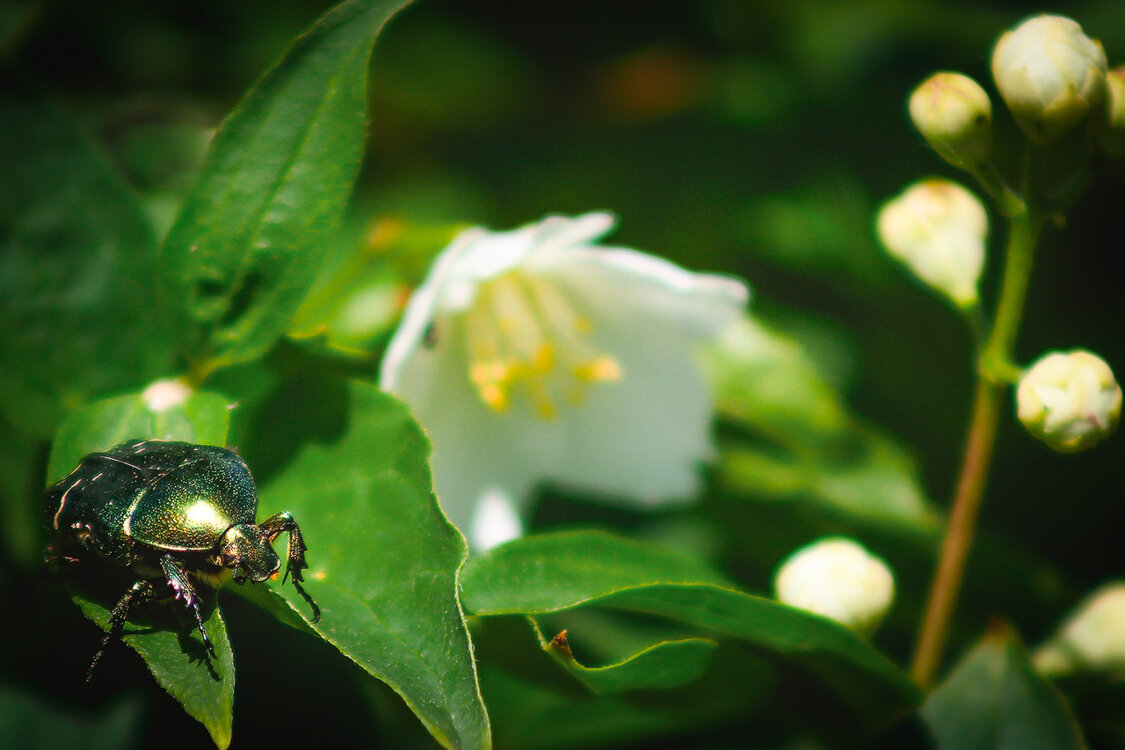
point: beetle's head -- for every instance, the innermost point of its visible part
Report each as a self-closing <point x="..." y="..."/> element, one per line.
<point x="246" y="549"/>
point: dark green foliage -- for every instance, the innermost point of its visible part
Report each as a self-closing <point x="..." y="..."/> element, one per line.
<point x="734" y="137"/>
<point x="77" y="269"/>
<point x="995" y="700"/>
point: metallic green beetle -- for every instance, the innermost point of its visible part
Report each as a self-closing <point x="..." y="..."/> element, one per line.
<point x="173" y="513"/>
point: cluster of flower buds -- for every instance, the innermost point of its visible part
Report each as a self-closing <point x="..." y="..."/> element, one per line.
<point x="1054" y="80"/>
<point x="1050" y="75"/>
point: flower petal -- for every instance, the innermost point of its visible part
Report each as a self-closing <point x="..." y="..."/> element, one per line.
<point x="617" y="407"/>
<point x="641" y="441"/>
<point x="620" y="281"/>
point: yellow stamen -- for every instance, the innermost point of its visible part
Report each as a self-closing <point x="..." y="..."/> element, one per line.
<point x="494" y="396"/>
<point x="525" y="334"/>
<point x="604" y="369"/>
<point x="544" y="360"/>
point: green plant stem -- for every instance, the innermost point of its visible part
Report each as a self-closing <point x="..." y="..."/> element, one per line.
<point x="995" y="370"/>
<point x="996" y="357"/>
<point x="1009" y="202"/>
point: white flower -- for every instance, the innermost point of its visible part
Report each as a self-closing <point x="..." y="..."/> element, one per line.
<point x="1050" y="75"/>
<point x="534" y="355"/>
<point x="1092" y="638"/>
<point x="1069" y="400"/>
<point x="837" y="578"/>
<point x="938" y="230"/>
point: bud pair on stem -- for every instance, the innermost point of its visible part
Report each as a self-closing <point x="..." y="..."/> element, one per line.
<point x="1053" y="80"/>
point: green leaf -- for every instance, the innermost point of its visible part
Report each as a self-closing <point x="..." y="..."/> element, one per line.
<point x="384" y="563"/>
<point x="766" y="382"/>
<point x="20" y="489"/>
<point x="556" y="572"/>
<point x="877" y="484"/>
<point x="531" y="716"/>
<point x="77" y="299"/>
<point x="537" y="706"/>
<point x="174" y="652"/>
<point x="31" y="723"/>
<point x="995" y="700"/>
<point x="251" y="235"/>
<point x="179" y="661"/>
<point x="662" y="665"/>
<point x="359" y="293"/>
<point x="201" y="418"/>
<point x="801" y="443"/>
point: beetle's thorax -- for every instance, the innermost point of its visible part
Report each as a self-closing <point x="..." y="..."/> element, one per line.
<point x="246" y="547"/>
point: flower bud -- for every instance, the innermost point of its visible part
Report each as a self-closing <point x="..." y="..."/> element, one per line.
<point x="163" y="395"/>
<point x="837" y="578"/>
<point x="1091" y="639"/>
<point x="954" y="115"/>
<point x="1050" y="75"/>
<point x="1109" y="130"/>
<point x="1069" y="400"/>
<point x="938" y="229"/>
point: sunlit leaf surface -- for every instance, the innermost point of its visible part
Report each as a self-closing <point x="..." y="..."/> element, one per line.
<point x="251" y="235"/>
<point x="554" y="572"/>
<point x="384" y="563"/>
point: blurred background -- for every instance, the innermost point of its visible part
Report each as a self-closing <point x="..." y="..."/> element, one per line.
<point x="750" y="138"/>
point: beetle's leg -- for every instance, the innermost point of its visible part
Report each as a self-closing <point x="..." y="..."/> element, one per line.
<point x="140" y="590"/>
<point x="182" y="588"/>
<point x="273" y="527"/>
<point x="53" y="558"/>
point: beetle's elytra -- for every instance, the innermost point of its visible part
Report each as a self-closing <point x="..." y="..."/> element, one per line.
<point x="176" y="514"/>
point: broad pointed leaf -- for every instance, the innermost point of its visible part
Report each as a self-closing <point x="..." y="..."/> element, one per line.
<point x="664" y="664"/>
<point x="251" y="235"/>
<point x="995" y="700"/>
<point x="384" y="563"/>
<point x="645" y="696"/>
<point x="555" y="572"/>
<point x="180" y="663"/>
